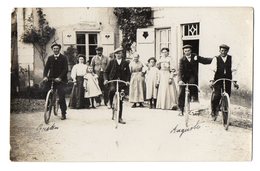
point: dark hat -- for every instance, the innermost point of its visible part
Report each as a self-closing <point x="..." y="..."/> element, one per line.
<point x="224" y="46"/>
<point x="118" y="50"/>
<point x="152" y="58"/>
<point x="55" y="44"/>
<point x="81" y="55"/>
<point x="165" y="48"/>
<point x="99" y="48"/>
<point x="186" y="46"/>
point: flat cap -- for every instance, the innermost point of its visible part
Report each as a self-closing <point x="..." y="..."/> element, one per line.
<point x="99" y="48"/>
<point x="224" y="46"/>
<point x="118" y="50"/>
<point x="186" y="46"/>
<point x="55" y="44"/>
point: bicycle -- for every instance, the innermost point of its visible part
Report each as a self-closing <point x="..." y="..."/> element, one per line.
<point x="116" y="101"/>
<point x="52" y="101"/>
<point x="224" y="102"/>
<point x="187" y="101"/>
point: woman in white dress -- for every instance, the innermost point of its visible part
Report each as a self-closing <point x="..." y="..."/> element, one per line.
<point x="167" y="92"/>
<point x="137" y="83"/>
<point x="77" y="100"/>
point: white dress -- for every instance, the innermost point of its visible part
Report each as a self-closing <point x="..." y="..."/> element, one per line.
<point x="91" y="84"/>
<point x="167" y="93"/>
<point x="152" y="78"/>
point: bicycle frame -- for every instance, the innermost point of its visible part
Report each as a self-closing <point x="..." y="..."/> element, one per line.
<point x="187" y="101"/>
<point x="51" y="102"/>
<point x="120" y="95"/>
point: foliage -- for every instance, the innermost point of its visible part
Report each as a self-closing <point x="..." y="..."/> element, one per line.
<point x="39" y="36"/>
<point x="71" y="54"/>
<point x="129" y="20"/>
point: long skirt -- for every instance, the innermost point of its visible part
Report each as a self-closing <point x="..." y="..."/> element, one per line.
<point x="167" y="93"/>
<point x="77" y="100"/>
<point x="137" y="88"/>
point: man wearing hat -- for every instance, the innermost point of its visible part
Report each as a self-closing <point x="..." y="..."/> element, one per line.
<point x="188" y="73"/>
<point x="222" y="67"/>
<point x="57" y="68"/>
<point x="117" y="68"/>
<point x="99" y="63"/>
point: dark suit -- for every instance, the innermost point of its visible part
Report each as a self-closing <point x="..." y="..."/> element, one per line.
<point x="58" y="68"/>
<point x="188" y="73"/>
<point x="115" y="71"/>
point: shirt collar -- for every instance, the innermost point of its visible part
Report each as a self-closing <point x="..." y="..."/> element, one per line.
<point x="189" y="57"/>
<point x="56" y="55"/>
<point x="223" y="56"/>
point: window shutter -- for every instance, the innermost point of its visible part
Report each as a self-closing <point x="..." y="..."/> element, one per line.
<point x="145" y="43"/>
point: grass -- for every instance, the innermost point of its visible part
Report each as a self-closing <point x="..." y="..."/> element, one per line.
<point x="21" y="105"/>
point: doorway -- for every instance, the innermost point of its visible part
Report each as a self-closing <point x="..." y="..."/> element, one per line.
<point x="194" y="43"/>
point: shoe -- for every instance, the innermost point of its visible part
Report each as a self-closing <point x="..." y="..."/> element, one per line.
<point x="93" y="107"/>
<point x="121" y="121"/>
<point x="214" y="116"/>
<point x="181" y="114"/>
<point x="109" y="107"/>
<point x="141" y="105"/>
<point x="63" y="117"/>
<point x="174" y="108"/>
<point x="134" y="105"/>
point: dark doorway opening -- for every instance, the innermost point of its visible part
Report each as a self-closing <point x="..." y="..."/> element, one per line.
<point x="194" y="44"/>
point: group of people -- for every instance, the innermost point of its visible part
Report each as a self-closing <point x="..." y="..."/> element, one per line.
<point x="153" y="81"/>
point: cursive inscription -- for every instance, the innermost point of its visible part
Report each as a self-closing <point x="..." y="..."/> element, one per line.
<point x="43" y="127"/>
<point x="184" y="130"/>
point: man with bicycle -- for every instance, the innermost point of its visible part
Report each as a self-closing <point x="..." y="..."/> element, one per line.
<point x="57" y="68"/>
<point x="222" y="67"/>
<point x="117" y="68"/>
<point x="188" y="73"/>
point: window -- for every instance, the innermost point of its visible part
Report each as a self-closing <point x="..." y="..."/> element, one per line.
<point x="86" y="44"/>
<point x="163" y="39"/>
<point x="192" y="29"/>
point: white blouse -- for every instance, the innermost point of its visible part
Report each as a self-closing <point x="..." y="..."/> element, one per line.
<point x="78" y="70"/>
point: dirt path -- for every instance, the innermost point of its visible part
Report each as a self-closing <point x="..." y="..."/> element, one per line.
<point x="149" y="135"/>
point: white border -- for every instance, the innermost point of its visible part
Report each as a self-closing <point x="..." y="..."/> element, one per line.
<point x="5" y="15"/>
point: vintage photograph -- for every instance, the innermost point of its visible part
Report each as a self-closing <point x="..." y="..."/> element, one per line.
<point x="131" y="84"/>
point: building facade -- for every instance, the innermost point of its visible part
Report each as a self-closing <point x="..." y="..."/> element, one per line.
<point x="203" y="28"/>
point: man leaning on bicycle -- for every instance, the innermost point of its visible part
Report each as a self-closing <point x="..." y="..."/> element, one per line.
<point x="57" y="68"/>
<point x="222" y="67"/>
<point x="117" y="68"/>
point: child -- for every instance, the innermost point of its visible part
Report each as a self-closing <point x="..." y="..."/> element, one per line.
<point x="152" y="82"/>
<point x="91" y="86"/>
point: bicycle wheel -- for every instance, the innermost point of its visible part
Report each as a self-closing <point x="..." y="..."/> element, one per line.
<point x="56" y="105"/>
<point x="48" y="107"/>
<point x="225" y="109"/>
<point x="187" y="109"/>
<point x="115" y="107"/>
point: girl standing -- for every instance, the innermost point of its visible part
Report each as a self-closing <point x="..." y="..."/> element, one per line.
<point x="92" y="89"/>
<point x="152" y="82"/>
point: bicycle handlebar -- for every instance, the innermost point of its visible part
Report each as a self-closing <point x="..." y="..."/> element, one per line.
<point x="51" y="79"/>
<point x="223" y="79"/>
<point x="195" y="85"/>
<point x="121" y="81"/>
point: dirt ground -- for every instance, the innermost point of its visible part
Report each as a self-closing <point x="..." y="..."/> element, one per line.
<point x="149" y="135"/>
